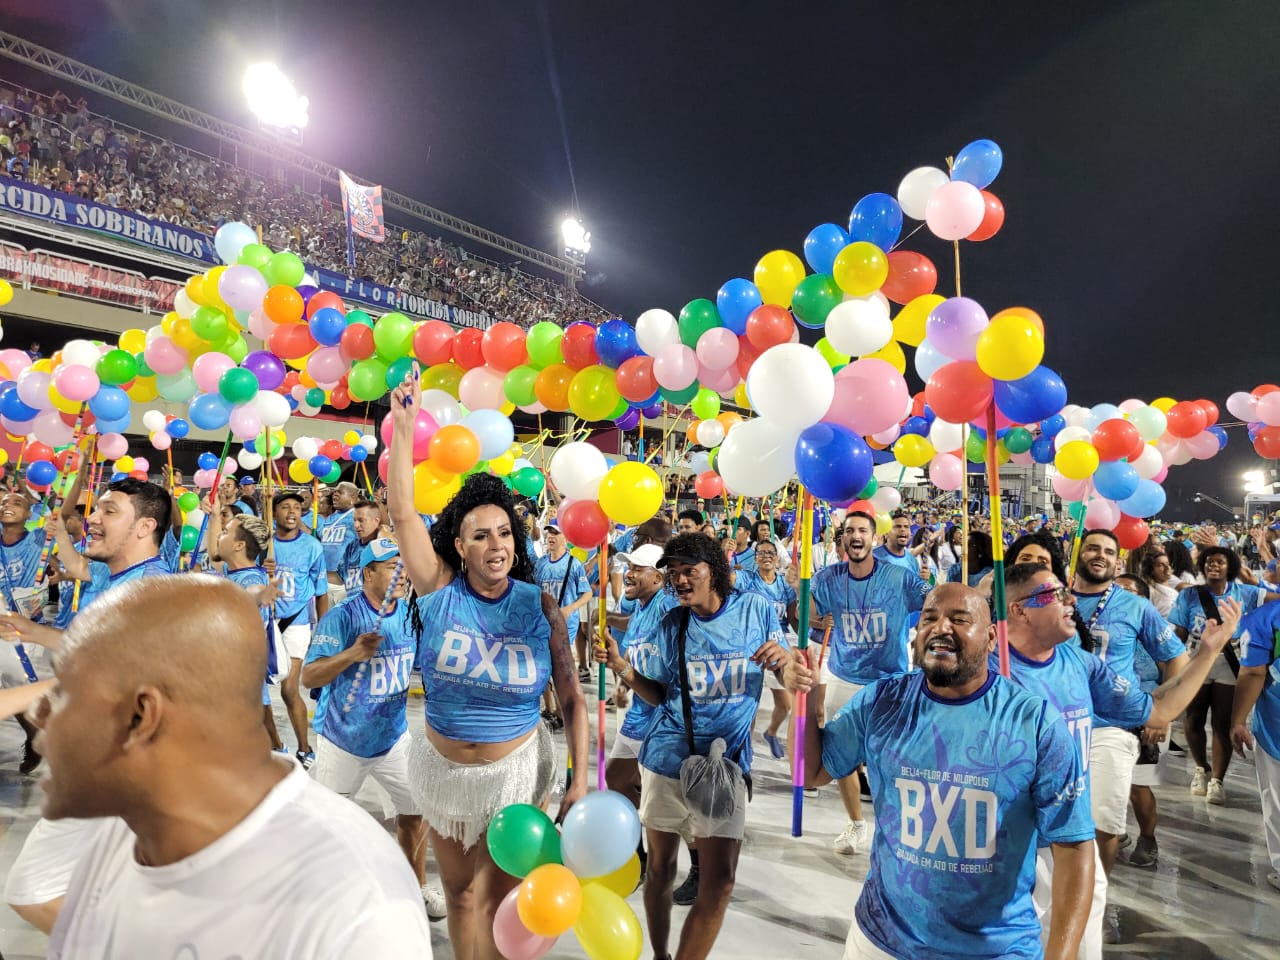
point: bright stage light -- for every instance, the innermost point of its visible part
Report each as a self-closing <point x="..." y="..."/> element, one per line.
<point x="272" y="97"/>
<point x="577" y="240"/>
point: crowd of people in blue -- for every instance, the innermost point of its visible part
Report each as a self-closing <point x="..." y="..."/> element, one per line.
<point x="1001" y="802"/>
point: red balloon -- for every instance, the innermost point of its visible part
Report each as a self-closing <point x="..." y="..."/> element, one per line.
<point x="1210" y="410"/>
<point x="383" y="459"/>
<point x="340" y="398"/>
<point x="289" y="341"/>
<point x="579" y="348"/>
<point x="1186" y="419"/>
<point x="992" y="218"/>
<point x="356" y="342"/>
<point x="584" y="523"/>
<point x="63" y="456"/>
<point x="291" y="380"/>
<point x="708" y="485"/>
<point x="958" y="391"/>
<point x="466" y="348"/>
<point x="634" y="379"/>
<point x="503" y="346"/>
<point x="1117" y="439"/>
<point x="1131" y="532"/>
<point x="1263" y="389"/>
<point x="325" y="298"/>
<point x="918" y="404"/>
<point x="1267" y="443"/>
<point x="36" y="450"/>
<point x="911" y="275"/>
<point x="432" y="342"/>
<point x="747" y="353"/>
<point x="768" y="326"/>
<point x="331" y="449"/>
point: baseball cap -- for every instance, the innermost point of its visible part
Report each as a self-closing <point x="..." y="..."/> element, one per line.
<point x="246" y="481"/>
<point x="378" y="550"/>
<point x="285" y="495"/>
<point x="551" y="525"/>
<point x="647" y="555"/>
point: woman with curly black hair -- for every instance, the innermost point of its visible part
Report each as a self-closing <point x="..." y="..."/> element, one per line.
<point x="489" y="642"/>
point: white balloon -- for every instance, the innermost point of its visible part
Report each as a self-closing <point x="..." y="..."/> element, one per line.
<point x="1243" y="405"/>
<point x="791" y="385"/>
<point x="886" y="499"/>
<point x="273" y="409"/>
<point x="249" y="460"/>
<point x="656" y="329"/>
<point x="710" y="433"/>
<point x="1149" y="462"/>
<point x="1067" y="434"/>
<point x="917" y="187"/>
<point x="577" y="469"/>
<point x="1128" y="406"/>
<point x="304" y="448"/>
<point x="153" y="420"/>
<point x="1075" y="415"/>
<point x="928" y="359"/>
<point x="758" y="457"/>
<point x="307" y="410"/>
<point x="369" y="442"/>
<point x="80" y="352"/>
<point x="183" y="305"/>
<point x="700" y="462"/>
<point x="946" y="436"/>
<point x="443" y="407"/>
<point x="858" y="326"/>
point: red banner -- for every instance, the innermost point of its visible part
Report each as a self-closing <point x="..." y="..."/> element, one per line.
<point x="84" y="278"/>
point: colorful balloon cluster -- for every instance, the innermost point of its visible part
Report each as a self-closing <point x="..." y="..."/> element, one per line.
<point x="576" y="879"/>
<point x="1260" y="409"/>
<point x="595" y="491"/>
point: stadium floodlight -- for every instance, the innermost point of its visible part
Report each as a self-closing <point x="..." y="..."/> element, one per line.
<point x="272" y="97"/>
<point x="577" y="239"/>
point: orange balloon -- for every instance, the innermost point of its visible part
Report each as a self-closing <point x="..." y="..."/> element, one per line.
<point x="1026" y="313"/>
<point x="283" y="304"/>
<point x="549" y="900"/>
<point x="454" y="449"/>
<point x="728" y="419"/>
<point x="551" y="388"/>
<point x="692" y="433"/>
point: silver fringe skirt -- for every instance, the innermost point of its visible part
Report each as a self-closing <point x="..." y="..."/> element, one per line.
<point x="458" y="799"/>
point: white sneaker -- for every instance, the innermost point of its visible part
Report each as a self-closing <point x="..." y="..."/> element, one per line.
<point x="433" y="898"/>
<point x="1215" y="794"/>
<point x="852" y="838"/>
<point x="1199" y="783"/>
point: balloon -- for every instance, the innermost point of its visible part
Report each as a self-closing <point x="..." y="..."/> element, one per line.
<point x="454" y="448"/>
<point x="543" y="344"/>
<point x="1101" y="514"/>
<point x="708" y="485"/>
<point x="913" y="451"/>
<point x="209" y="411"/>
<point x="177" y="428"/>
<point x="910" y="275"/>
<point x="946" y="471"/>
<point x="917" y="187"/>
<point x="955" y="327"/>
<point x="1076" y="460"/>
<point x="776" y="275"/>
<point x="1018" y="440"/>
<point x="503" y="346"/>
<point x="393" y="336"/>
<point x="109" y="403"/>
<point x="630" y="493"/>
<point x="978" y="163"/>
<point x="266" y="367"/>
<point x="607" y="928"/>
<point x="868" y="396"/>
<point x="237" y="385"/>
<point x="41" y="473"/>
<point x="813" y="300"/>
<point x="859" y="326"/>
<point x="284" y="268"/>
<point x="734" y="302"/>
<point x="860" y="268"/>
<point x="1185" y="419"/>
<point x="1146" y="501"/>
<point x="675" y="366"/>
<point x="959" y="391"/>
<point x="282" y="304"/>
<point x="550" y="899"/>
<point x="955" y="210"/>
<point x="1010" y="347"/>
<point x="577" y="469"/>
<point x="327" y="365"/>
<point x="527" y="481"/>
<point x="791" y="385"/>
<point x="616" y="342"/>
<point x="517" y="386"/>
<point x="1116" y="439"/>
<point x="697" y="317"/>
<point x="593" y="393"/>
<point x="245" y="422"/>
<point x="446" y="377"/>
<point x="1131" y="532"/>
<point x="492" y="428"/>
<point x="876" y="219"/>
<point x="757" y="457"/>
<point x="992" y="218"/>
<point x="367" y="380"/>
<point x="634" y="378"/>
<point x="432" y="342"/>
<point x="1243" y="405"/>
<point x="1115" y="480"/>
<point x="232" y="237"/>
<point x="272" y="408"/>
<point x="357" y="343"/>
<point x="656" y="329"/>
<point x="833" y="462"/>
<point x="75" y="382"/>
<point x="444" y="409"/>
<point x="579" y="345"/>
<point x="481" y="388"/>
<point x="512" y="938"/>
<point x="432" y="489"/>
<point x="706" y="404"/>
<point x="622" y="881"/>
<point x="717" y="349"/>
<point x="327" y="326"/>
<point x="1266" y="443"/>
<point x="821" y="246"/>
<point x="584" y="523"/>
<point x="116" y="367"/>
<point x="1032" y="398"/>
<point x="319" y="465"/>
<point x="601" y="831"/>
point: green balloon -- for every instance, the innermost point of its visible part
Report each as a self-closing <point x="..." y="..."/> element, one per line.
<point x="238" y="385"/>
<point x="141" y="362"/>
<point x="697" y="317"/>
<point x="680" y="396"/>
<point x="713" y="456"/>
<point x="975" y="448"/>
<point x="117" y="367"/>
<point x="189" y="537"/>
<point x="315" y="397"/>
<point x="393" y="336"/>
<point x="367" y="380"/>
<point x="543" y="344"/>
<point x="706" y="404"/>
<point x="1018" y="440"/>
<point x="517" y="385"/>
<point x="334" y="475"/>
<point x="209" y="323"/>
<point x="188" y="502"/>
<point x="620" y="409"/>
<point x="522" y="837"/>
<point x="813" y="299"/>
<point x="397" y="371"/>
<point x="284" y="269"/>
<point x="869" y="490"/>
<point x="528" y="481"/>
<point x="237" y="349"/>
<point x="256" y="255"/>
<point x="359" y="316"/>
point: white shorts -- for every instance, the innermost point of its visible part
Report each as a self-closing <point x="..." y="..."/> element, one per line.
<point x="1151" y="774"/>
<point x="625" y="748"/>
<point x="1112" y="754"/>
<point x="839" y="692"/>
<point x="47" y="860"/>
<point x="771" y="681"/>
<point x="1042" y="899"/>
<point x="11" y="672"/>
<point x="1220" y="672"/>
<point x="344" y="773"/>
<point x="663" y="808"/>
<point x="295" y="639"/>
<point x="858" y="947"/>
<point x="337" y="593"/>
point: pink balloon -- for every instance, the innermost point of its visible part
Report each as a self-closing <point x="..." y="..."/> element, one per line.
<point x="512" y="938"/>
<point x="481" y="389"/>
<point x="209" y="368"/>
<point x="260" y="325"/>
<point x="1268" y="409"/>
<point x="75" y="382"/>
<point x="327" y="365"/>
<point x="946" y="471"/>
<point x="1240" y="404"/>
<point x="113" y="446"/>
<point x="955" y="210"/>
<point x="424" y="428"/>
<point x="242" y="287"/>
<point x="675" y="367"/>
<point x="385" y="430"/>
<point x="1161" y="474"/>
<point x="534" y="408"/>
<point x="1204" y="445"/>
<point x="49" y="427"/>
<point x="15" y="361"/>
<point x="164" y="356"/>
<point x="203" y="479"/>
<point x="141" y="463"/>
<point x="1072" y="491"/>
<point x="886" y="437"/>
<point x="954" y="326"/>
<point x="1023" y="459"/>
<point x="160" y="440"/>
<point x="718" y="349"/>
<point x="245" y="422"/>
<point x="721" y="381"/>
<point x="869" y="396"/>
<point x="1101" y="514"/>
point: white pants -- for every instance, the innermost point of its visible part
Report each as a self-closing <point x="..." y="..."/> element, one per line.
<point x="344" y="773"/>
<point x="1042" y="897"/>
<point x="1112" y="754"/>
<point x="858" y="947"/>
<point x="1268" y="768"/>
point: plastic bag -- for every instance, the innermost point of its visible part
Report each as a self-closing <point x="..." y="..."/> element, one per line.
<point x="711" y="784"/>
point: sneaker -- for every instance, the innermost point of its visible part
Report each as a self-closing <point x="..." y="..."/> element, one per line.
<point x="1199" y="783"/>
<point x="280" y="749"/>
<point x="851" y="838"/>
<point x="1274" y="880"/>
<point x="433" y="898"/>
<point x="685" y="894"/>
<point x="1126" y="841"/>
<point x="1215" y="794"/>
<point x="811" y="792"/>
<point x="776" y="747"/>
<point x="1146" y="853"/>
<point x="30" y="759"/>
<point x="307" y="759"/>
<point x="584" y="675"/>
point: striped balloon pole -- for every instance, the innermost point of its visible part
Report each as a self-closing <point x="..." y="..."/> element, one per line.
<point x="805" y="526"/>
<point x="603" y="576"/>
<point x="997" y="546"/>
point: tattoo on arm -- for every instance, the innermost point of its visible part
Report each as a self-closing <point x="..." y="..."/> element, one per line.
<point x="562" y="667"/>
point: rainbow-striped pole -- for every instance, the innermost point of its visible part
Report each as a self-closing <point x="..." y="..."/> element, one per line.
<point x="805" y="520"/>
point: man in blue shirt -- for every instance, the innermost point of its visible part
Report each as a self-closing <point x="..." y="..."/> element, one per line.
<point x="336" y="532"/>
<point x="20" y="551"/>
<point x="744" y="546"/>
<point x="969" y="773"/>
<point x="562" y="576"/>
<point x="773" y="586"/>
<point x="896" y="547"/>
<point x="1259" y="684"/>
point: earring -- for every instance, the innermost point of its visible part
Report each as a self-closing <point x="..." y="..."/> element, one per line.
<point x="464" y="564"/>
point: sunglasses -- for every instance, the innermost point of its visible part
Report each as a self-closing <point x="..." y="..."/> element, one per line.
<point x="1055" y="593"/>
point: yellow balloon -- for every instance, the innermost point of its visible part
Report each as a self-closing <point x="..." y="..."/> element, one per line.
<point x="133" y="341"/>
<point x="6" y="292"/>
<point x="909" y="324"/>
<point x="1164" y="404"/>
<point x="892" y="354"/>
<point x="143" y="390"/>
<point x="4" y="456"/>
<point x="211" y="278"/>
<point x="507" y="408"/>
<point x="884" y="522"/>
<point x="443" y="376"/>
<point x="306" y="380"/>
<point x="43" y="365"/>
<point x="431" y="489"/>
<point x="740" y="398"/>
<point x="607" y="927"/>
<point x="167" y="322"/>
<point x="501" y="466"/>
<point x="630" y="493"/>
<point x="622" y="881"/>
<point x="776" y="276"/>
<point x="351" y="438"/>
<point x="1010" y="347"/>
<point x="860" y="268"/>
<point x="183" y="336"/>
<point x="61" y="403"/>
<point x="830" y="354"/>
<point x="125" y="464"/>
<point x="579" y="554"/>
<point x="196" y="291"/>
<point x="913" y="450"/>
<point x="1076" y="460"/>
<point x="299" y="472"/>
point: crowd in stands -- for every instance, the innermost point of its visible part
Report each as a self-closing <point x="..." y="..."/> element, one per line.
<point x="56" y="143"/>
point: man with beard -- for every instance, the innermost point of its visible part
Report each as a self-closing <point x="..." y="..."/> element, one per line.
<point x="969" y="772"/>
<point x="896" y="547"/>
<point x="1118" y="620"/>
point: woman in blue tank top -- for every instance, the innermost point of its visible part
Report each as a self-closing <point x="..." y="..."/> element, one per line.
<point x="489" y="642"/>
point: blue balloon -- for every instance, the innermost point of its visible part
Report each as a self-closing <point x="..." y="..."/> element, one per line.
<point x="1038" y="395"/>
<point x="1221" y="434"/>
<point x="876" y="218"/>
<point x="358" y="454"/>
<point x="882" y="456"/>
<point x="833" y="462"/>
<point x="109" y="403"/>
<point x="735" y="301"/>
<point x="978" y="163"/>
<point x="177" y="428"/>
<point x="1146" y="501"/>
<point x="12" y="407"/>
<point x="1116" y="480"/>
<point x="917" y="425"/>
<point x="1042" y="450"/>
<point x="114" y="426"/>
<point x="600" y="834"/>
<point x="1052" y="426"/>
<point x="616" y="342"/>
<point x="929" y="415"/>
<point x="327" y="325"/>
<point x="494" y="431"/>
<point x="821" y="246"/>
<point x="208" y="461"/>
<point x="209" y="411"/>
<point x="118" y="476"/>
<point x="41" y="473"/>
<point x="320" y="465"/>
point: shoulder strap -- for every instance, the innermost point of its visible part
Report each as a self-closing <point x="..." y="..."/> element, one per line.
<point x="1208" y="604"/>
<point x="564" y="584"/>
<point x="685" y="702"/>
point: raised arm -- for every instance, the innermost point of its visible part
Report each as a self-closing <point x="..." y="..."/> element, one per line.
<point x="426" y="571"/>
<point x="73" y="562"/>
<point x="1171" y="697"/>
<point x="72" y="498"/>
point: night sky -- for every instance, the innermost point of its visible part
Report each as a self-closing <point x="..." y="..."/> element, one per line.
<point x="1140" y="140"/>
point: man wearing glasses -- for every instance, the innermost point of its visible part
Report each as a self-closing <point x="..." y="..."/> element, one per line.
<point x="1085" y="690"/>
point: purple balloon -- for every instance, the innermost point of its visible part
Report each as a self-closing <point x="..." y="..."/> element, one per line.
<point x="306" y="291"/>
<point x="267" y="367"/>
<point x="653" y="412"/>
<point x="954" y="326"/>
<point x="628" y="420"/>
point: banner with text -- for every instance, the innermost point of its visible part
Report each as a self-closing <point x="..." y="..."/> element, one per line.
<point x="387" y="299"/>
<point x="84" y="278"/>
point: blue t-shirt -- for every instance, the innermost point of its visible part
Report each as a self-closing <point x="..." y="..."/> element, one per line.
<point x="724" y="683"/>
<point x="1260" y="647"/>
<point x="484" y="662"/>
<point x="365" y="713"/>
<point x="869" y="636"/>
<point x="550" y="576"/>
<point x="906" y="560"/>
<point x="349" y="567"/>
<point x="99" y="573"/>
<point x="963" y="790"/>
<point x="745" y="562"/>
<point x="301" y="574"/>
<point x="1188" y="614"/>
<point x="336" y="531"/>
<point x="103" y="580"/>
<point x="780" y="593"/>
<point x="639" y="646"/>
<point x="20" y="563"/>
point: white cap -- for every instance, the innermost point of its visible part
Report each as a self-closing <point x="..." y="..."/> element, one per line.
<point x="645" y="556"/>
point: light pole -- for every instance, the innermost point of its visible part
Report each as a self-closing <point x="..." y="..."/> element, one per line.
<point x="274" y="101"/>
<point x="577" y="244"/>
